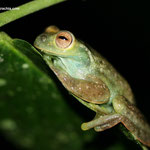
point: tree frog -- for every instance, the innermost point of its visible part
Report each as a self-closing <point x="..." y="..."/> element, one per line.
<point x="91" y="79"/>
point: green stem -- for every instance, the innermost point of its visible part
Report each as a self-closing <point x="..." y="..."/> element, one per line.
<point x="25" y="9"/>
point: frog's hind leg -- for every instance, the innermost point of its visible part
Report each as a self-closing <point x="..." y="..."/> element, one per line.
<point x="107" y="121"/>
<point x="132" y="119"/>
<point x="128" y="115"/>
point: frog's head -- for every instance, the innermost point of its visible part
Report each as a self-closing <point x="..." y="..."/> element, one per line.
<point x="58" y="43"/>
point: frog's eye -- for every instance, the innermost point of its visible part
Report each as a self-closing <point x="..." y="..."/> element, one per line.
<point x="63" y="39"/>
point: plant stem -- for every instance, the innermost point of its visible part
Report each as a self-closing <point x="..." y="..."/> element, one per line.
<point x="25" y="9"/>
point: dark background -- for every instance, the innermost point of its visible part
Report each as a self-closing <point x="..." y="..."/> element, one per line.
<point x="119" y="30"/>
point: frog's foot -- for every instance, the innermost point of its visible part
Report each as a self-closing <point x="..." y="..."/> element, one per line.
<point x="103" y="122"/>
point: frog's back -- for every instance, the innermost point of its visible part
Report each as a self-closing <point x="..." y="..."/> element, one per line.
<point x="114" y="81"/>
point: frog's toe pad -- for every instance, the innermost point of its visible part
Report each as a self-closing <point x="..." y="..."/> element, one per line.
<point x="84" y="126"/>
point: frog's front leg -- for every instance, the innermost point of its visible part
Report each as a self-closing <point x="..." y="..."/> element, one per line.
<point x="103" y="122"/>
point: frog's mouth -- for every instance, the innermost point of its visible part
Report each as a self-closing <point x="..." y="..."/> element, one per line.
<point x="43" y="51"/>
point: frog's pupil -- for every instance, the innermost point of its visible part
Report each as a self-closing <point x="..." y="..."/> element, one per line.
<point x="63" y="38"/>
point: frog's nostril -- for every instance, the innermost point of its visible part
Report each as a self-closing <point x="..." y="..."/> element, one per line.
<point x="43" y="38"/>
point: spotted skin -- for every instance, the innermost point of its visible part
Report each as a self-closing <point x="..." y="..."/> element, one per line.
<point x="92" y="80"/>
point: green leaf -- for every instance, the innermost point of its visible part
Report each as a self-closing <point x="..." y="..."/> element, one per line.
<point x="33" y="113"/>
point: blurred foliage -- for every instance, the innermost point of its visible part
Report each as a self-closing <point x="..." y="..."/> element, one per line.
<point x="33" y="113"/>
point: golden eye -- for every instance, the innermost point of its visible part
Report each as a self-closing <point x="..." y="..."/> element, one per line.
<point x="64" y="39"/>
